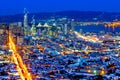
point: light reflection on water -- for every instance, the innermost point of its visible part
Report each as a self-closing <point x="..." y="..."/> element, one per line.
<point x="97" y="29"/>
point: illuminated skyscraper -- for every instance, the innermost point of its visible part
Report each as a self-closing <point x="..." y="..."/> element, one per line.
<point x="33" y="29"/>
<point x="33" y="20"/>
<point x="26" y="26"/>
<point x="72" y="24"/>
<point x="65" y="29"/>
<point x="25" y="17"/>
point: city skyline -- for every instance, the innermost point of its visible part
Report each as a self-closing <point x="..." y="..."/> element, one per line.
<point x="60" y="40"/>
<point x="16" y="7"/>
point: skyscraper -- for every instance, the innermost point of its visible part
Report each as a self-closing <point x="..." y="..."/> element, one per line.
<point x="65" y="29"/>
<point x="72" y="24"/>
<point x="25" y="17"/>
<point x="33" y="20"/>
<point x="33" y="29"/>
<point x="26" y="26"/>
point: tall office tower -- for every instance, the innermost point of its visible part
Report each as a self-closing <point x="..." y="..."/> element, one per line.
<point x="65" y="29"/>
<point x="33" y="29"/>
<point x="33" y="20"/>
<point x="72" y="24"/>
<point x="25" y="17"/>
<point x="62" y="28"/>
<point x="26" y="26"/>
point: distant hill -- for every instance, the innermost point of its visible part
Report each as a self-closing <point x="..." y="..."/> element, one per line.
<point x="78" y="15"/>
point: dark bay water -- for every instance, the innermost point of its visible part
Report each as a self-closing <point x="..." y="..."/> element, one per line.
<point x="96" y="29"/>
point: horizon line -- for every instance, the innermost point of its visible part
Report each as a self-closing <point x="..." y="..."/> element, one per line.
<point x="60" y="11"/>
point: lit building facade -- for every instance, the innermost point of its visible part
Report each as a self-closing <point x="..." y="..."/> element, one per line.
<point x="65" y="29"/>
<point x="26" y="26"/>
<point x="33" y="28"/>
<point x="3" y="34"/>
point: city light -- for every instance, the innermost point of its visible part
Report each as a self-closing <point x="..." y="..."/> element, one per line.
<point x="22" y="69"/>
<point x="63" y="45"/>
<point x="92" y="39"/>
<point x="113" y="25"/>
<point x="95" y="72"/>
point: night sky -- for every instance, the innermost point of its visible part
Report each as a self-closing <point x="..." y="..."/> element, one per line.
<point x="8" y="7"/>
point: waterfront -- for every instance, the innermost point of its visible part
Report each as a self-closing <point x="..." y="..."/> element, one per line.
<point x="97" y="29"/>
